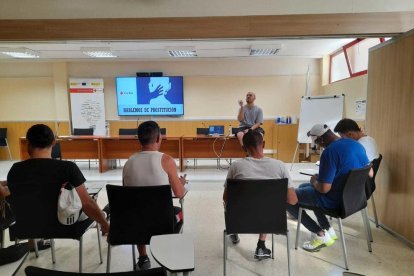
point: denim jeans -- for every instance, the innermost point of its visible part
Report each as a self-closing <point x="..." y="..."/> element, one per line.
<point x="308" y="196"/>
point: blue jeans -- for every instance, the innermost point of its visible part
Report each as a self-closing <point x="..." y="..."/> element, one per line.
<point x="307" y="195"/>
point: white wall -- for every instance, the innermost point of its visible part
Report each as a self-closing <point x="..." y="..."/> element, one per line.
<point x="211" y="87"/>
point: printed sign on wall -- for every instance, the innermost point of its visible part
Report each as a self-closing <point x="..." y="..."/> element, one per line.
<point x="88" y="104"/>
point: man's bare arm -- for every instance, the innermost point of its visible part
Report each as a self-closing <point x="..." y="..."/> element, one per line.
<point x="177" y="183"/>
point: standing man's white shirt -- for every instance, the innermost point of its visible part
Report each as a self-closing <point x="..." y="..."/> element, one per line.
<point x="370" y="146"/>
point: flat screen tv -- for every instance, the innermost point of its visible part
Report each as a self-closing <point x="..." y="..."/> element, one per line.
<point x="149" y="96"/>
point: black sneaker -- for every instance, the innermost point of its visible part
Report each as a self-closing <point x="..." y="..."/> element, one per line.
<point x="143" y="263"/>
<point x="262" y="253"/>
<point x="234" y="238"/>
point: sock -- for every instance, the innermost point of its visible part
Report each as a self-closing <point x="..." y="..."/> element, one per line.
<point x="261" y="244"/>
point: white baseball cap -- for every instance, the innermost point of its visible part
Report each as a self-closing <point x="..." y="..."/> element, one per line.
<point x="317" y="131"/>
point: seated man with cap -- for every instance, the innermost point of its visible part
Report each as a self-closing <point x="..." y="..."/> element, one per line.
<point x="339" y="157"/>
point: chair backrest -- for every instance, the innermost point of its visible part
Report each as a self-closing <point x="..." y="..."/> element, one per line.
<point x="138" y="213"/>
<point x="128" y="131"/>
<point x="37" y="271"/>
<point x="376" y="164"/>
<point x="56" y="152"/>
<point x="370" y="185"/>
<point x="163" y="131"/>
<point x="83" y="131"/>
<point x="36" y="215"/>
<point x="234" y="130"/>
<point x="353" y="195"/>
<point x="3" y="137"/>
<point x="256" y="206"/>
<point x="202" y="131"/>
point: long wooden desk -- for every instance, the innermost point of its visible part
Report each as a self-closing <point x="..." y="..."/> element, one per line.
<point x="211" y="147"/>
<point x="106" y="149"/>
<point x="71" y="147"/>
<point x="122" y="147"/>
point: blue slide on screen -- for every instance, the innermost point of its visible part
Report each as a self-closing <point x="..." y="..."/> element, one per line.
<point x="148" y="96"/>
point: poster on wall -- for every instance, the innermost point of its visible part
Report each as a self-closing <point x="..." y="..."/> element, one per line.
<point x="87" y="104"/>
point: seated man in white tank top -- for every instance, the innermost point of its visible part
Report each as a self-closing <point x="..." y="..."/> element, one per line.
<point x="150" y="167"/>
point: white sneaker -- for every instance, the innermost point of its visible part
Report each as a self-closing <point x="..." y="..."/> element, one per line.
<point x="332" y="233"/>
<point x="318" y="242"/>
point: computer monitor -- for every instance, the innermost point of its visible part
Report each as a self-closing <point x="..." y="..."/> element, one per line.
<point x="216" y="130"/>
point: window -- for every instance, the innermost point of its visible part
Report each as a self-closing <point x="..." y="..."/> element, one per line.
<point x="352" y="60"/>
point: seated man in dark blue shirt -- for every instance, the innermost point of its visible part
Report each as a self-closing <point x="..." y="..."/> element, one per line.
<point x="339" y="157"/>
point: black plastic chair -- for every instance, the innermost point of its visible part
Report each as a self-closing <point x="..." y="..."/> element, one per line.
<point x="234" y="130"/>
<point x="163" y="131"/>
<point x="256" y="206"/>
<point x="353" y="200"/>
<point x="3" y="140"/>
<point x="37" y="271"/>
<point x="370" y="186"/>
<point x="128" y="131"/>
<point x="137" y="214"/>
<point x="36" y="218"/>
<point x="202" y="131"/>
<point x="83" y="131"/>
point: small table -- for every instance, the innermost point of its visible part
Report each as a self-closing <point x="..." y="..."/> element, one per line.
<point x="175" y="252"/>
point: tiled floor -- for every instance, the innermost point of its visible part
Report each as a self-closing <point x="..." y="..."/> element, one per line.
<point x="205" y="221"/>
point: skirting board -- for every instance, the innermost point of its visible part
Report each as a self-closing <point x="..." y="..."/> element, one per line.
<point x="395" y="234"/>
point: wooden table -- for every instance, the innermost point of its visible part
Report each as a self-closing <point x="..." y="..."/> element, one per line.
<point x="122" y="147"/>
<point x="71" y="147"/>
<point x="211" y="147"/>
<point x="175" y="252"/>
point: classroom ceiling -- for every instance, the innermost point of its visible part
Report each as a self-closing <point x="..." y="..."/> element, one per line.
<point x="158" y="49"/>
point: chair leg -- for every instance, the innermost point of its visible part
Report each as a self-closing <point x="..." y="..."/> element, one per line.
<point x="375" y="210"/>
<point x="288" y="251"/>
<point x="80" y="254"/>
<point x="108" y="259"/>
<point x="98" y="230"/>
<point x="35" y="248"/>
<point x="273" y="247"/>
<point x="298" y="227"/>
<point x="8" y="148"/>
<point x="367" y="227"/>
<point x="341" y="232"/>
<point x="52" y="248"/>
<point x="224" y="252"/>
<point x="133" y="258"/>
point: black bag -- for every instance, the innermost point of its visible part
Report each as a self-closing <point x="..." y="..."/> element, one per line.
<point x="13" y="253"/>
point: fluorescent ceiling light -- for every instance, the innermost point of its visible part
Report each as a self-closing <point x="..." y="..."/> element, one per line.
<point x="100" y="52"/>
<point x="265" y="50"/>
<point x="19" y="52"/>
<point x="188" y="52"/>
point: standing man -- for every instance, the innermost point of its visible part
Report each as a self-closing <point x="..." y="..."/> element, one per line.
<point x="348" y="128"/>
<point x="325" y="189"/>
<point x="149" y="167"/>
<point x="257" y="166"/>
<point x="250" y="116"/>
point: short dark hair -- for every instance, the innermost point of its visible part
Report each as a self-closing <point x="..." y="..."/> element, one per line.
<point x="148" y="132"/>
<point x="252" y="139"/>
<point x="346" y="125"/>
<point x="40" y="136"/>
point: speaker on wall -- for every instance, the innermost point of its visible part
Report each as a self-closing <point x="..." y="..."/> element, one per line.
<point x="149" y="74"/>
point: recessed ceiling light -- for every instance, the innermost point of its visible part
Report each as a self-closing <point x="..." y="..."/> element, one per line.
<point x="99" y="52"/>
<point x="182" y="52"/>
<point x="265" y="50"/>
<point x="19" y="52"/>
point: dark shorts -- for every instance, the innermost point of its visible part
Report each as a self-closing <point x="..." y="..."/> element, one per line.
<point x="240" y="129"/>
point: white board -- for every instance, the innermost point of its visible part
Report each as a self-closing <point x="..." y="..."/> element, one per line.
<point x="88" y="104"/>
<point x="319" y="110"/>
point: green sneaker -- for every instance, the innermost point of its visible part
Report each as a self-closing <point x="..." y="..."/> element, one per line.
<point x="332" y="233"/>
<point x="318" y="242"/>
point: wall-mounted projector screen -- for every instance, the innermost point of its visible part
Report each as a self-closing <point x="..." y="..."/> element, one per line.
<point x="149" y="96"/>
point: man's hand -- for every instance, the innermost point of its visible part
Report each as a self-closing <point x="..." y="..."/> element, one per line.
<point x="240" y="103"/>
<point x="105" y="228"/>
<point x="183" y="180"/>
<point x="314" y="180"/>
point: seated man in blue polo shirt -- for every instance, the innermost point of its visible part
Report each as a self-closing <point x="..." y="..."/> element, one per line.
<point x="339" y="157"/>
